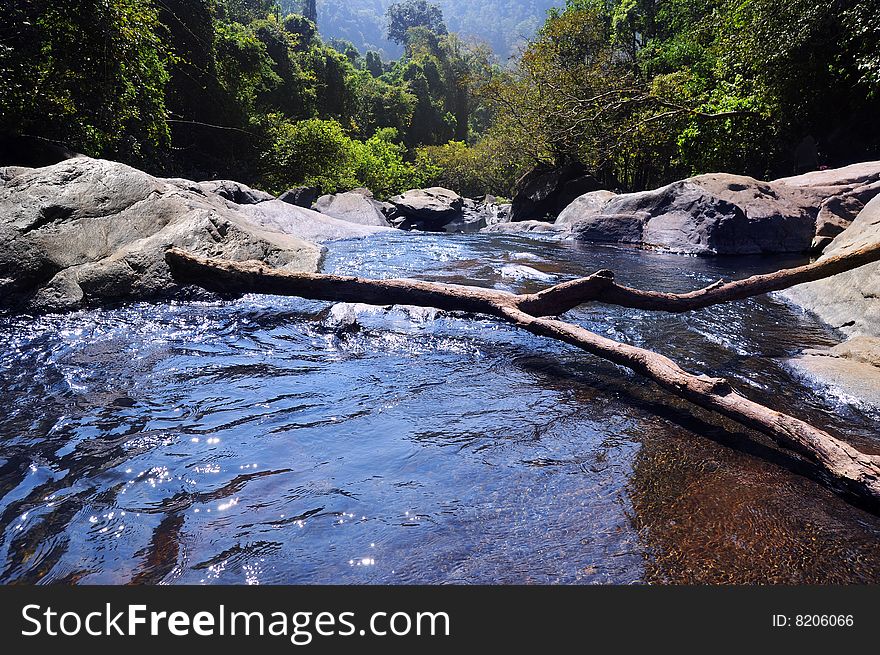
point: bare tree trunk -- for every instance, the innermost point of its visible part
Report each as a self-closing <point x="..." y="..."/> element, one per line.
<point x="848" y="469"/>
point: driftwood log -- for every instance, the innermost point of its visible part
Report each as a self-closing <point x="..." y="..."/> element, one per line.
<point x="844" y="467"/>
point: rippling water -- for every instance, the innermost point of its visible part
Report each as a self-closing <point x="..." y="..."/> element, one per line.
<point x="282" y="441"/>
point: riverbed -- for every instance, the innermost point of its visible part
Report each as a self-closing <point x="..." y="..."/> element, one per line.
<point x="280" y="441"/>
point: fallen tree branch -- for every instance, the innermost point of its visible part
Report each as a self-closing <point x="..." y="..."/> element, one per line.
<point x="601" y="287"/>
<point x="847" y="468"/>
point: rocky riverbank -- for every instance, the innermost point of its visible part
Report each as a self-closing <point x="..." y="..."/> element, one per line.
<point x="87" y="231"/>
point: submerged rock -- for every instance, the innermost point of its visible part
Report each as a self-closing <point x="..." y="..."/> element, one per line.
<point x="852" y="368"/>
<point x="88" y="230"/>
<point x="526" y="227"/>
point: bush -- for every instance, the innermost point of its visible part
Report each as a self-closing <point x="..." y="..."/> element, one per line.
<point x="319" y="153"/>
<point x="485" y="168"/>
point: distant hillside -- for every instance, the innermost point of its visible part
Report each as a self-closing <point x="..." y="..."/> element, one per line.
<point x="504" y="24"/>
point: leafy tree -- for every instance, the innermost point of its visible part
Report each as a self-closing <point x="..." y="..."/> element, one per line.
<point x="91" y="74"/>
<point x="410" y="14"/>
<point x="319" y="153"/>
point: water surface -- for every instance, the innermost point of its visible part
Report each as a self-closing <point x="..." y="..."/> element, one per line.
<point x="272" y="440"/>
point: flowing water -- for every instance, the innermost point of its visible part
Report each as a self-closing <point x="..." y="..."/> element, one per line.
<point x="272" y="440"/>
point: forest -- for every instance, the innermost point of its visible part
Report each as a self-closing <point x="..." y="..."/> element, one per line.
<point x="639" y="92"/>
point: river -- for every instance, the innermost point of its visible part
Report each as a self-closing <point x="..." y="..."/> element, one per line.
<point x="274" y="440"/>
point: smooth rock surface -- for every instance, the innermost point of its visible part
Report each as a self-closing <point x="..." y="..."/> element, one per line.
<point x="428" y="209"/>
<point x="716" y="214"/>
<point x="852" y="368"/>
<point x="849" y="301"/>
<point x="354" y="206"/>
<point x="87" y="231"/>
<point x="584" y="206"/>
<point x="235" y="192"/>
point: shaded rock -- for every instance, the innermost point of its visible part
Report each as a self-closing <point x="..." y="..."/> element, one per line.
<point x="428" y="209"/>
<point x="839" y="193"/>
<point x="476" y="215"/>
<point x="716" y="214"/>
<point x="300" y="196"/>
<point x="355" y="206"/>
<point x="235" y="192"/>
<point x="609" y="228"/>
<point x="544" y="193"/>
<point x="584" y="206"/>
<point x="849" y="301"/>
<point x="837" y="212"/>
<point x="87" y="230"/>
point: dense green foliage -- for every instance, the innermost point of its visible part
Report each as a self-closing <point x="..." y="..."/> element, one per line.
<point x="232" y="88"/>
<point x="641" y="92"/>
<point x="647" y="91"/>
<point x="91" y="73"/>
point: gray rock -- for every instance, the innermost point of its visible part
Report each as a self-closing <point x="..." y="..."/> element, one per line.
<point x="849" y="301"/>
<point x="86" y="230"/>
<point x="477" y="215"/>
<point x="527" y="227"/>
<point x="235" y="192"/>
<point x="584" y="206"/>
<point x="302" y="196"/>
<point x="306" y="223"/>
<point x="428" y="209"/>
<point x="8" y="172"/>
<point x="852" y="176"/>
<point x="837" y="212"/>
<point x="609" y="228"/>
<point x="852" y="367"/>
<point x="715" y="214"/>
<point x="839" y="193"/>
<point x="355" y="207"/>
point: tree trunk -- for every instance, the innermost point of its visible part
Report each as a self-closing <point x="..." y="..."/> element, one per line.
<point x="848" y="470"/>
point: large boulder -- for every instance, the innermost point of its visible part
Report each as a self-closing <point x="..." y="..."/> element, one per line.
<point x="716" y="214"/>
<point x="849" y="301"/>
<point x="235" y="192"/>
<point x="583" y="206"/>
<point x="355" y="206"/>
<point x="840" y="194"/>
<point x="301" y="196"/>
<point x="544" y="192"/>
<point x="86" y="230"/>
<point x="428" y="209"/>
